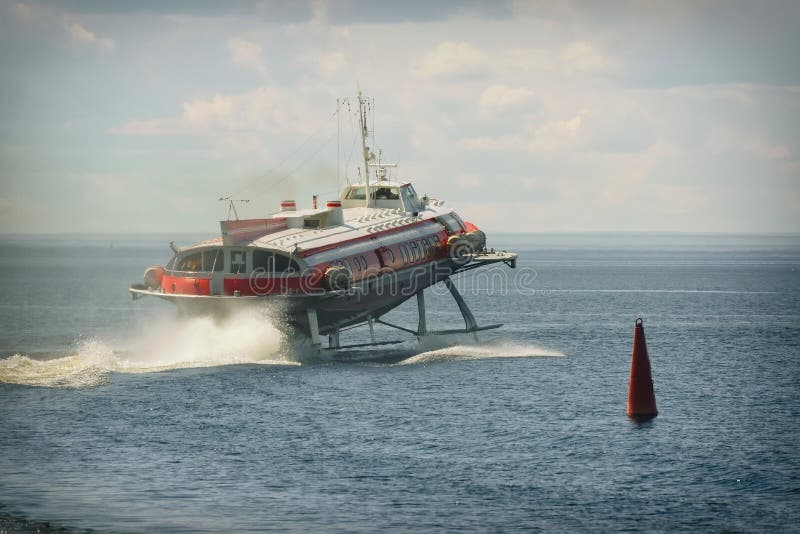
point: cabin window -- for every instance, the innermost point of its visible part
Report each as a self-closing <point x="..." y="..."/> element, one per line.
<point x="403" y="253"/>
<point x="171" y="265"/>
<point x="386" y="193"/>
<point x="414" y="251"/>
<point x="390" y="255"/>
<point x="191" y="262"/>
<point x="452" y="223"/>
<point x="284" y="265"/>
<point x="263" y="260"/>
<point x="426" y="247"/>
<point x="357" y="193"/>
<point x="410" y="201"/>
<point x="271" y="262"/>
<point x="213" y="260"/>
<point x="238" y="261"/>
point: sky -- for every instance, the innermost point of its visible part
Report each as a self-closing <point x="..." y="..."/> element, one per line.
<point x="525" y="116"/>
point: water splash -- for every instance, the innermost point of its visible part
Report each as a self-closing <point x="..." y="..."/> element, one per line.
<point x="480" y="351"/>
<point x="246" y="337"/>
<point x="164" y="343"/>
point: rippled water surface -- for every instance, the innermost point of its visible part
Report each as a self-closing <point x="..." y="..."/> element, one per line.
<point x="120" y="416"/>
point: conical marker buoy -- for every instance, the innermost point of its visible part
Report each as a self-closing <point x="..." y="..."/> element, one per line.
<point x="641" y="398"/>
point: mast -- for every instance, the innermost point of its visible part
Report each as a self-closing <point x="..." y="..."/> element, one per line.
<point x="363" y="120"/>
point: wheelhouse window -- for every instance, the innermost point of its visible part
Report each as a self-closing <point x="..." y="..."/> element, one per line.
<point x="409" y="196"/>
<point x="376" y="193"/>
<point x="213" y="260"/>
<point x="385" y="193"/>
<point x="452" y="223"/>
<point x="238" y="261"/>
<point x="357" y="193"/>
<point x="274" y="263"/>
<point x="191" y="262"/>
<point x="284" y="265"/>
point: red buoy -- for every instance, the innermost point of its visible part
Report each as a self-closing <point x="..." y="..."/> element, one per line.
<point x="641" y="398"/>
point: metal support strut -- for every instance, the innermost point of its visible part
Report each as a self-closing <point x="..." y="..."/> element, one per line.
<point x="371" y="330"/>
<point x="313" y="326"/>
<point x="469" y="319"/>
<point x="333" y="340"/>
<point x="422" y="326"/>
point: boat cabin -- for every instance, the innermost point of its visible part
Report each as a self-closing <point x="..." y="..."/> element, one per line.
<point x="383" y="194"/>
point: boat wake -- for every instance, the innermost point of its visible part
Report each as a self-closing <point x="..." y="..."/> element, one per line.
<point x="190" y="342"/>
<point x="481" y="351"/>
<point x="245" y="338"/>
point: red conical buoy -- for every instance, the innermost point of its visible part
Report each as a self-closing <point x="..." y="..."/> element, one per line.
<point x="641" y="398"/>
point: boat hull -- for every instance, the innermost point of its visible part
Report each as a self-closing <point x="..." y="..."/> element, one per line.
<point x="368" y="298"/>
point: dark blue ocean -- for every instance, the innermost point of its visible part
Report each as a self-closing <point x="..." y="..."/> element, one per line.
<point x="120" y="416"/>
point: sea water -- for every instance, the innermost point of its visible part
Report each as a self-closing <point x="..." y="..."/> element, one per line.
<point x="121" y="416"/>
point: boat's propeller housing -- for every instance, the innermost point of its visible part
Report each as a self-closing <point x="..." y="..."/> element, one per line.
<point x="460" y="249"/>
<point x="337" y="278"/>
<point x="477" y="238"/>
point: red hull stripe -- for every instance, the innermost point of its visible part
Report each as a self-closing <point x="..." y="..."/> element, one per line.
<point x="338" y="244"/>
<point x="185" y="285"/>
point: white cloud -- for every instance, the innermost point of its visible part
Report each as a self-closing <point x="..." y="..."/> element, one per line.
<point x="498" y="98"/>
<point x="561" y="116"/>
<point x="248" y="55"/>
<point x="582" y="56"/>
<point x="78" y="34"/>
<point x="451" y="60"/>
<point x="511" y="143"/>
<point x="23" y="11"/>
<point x="74" y="29"/>
<point x="726" y="138"/>
<point x="327" y="62"/>
<point x="264" y="108"/>
<point x="553" y="136"/>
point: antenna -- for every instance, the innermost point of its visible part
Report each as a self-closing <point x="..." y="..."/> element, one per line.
<point x="363" y="120"/>
<point x="232" y="206"/>
<point x="338" y="141"/>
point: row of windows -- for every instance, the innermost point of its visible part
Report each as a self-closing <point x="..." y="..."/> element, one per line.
<point x="213" y="260"/>
<point x="377" y="193"/>
<point x="354" y="264"/>
<point x="208" y="260"/>
<point x="411" y="252"/>
<point x="418" y="250"/>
